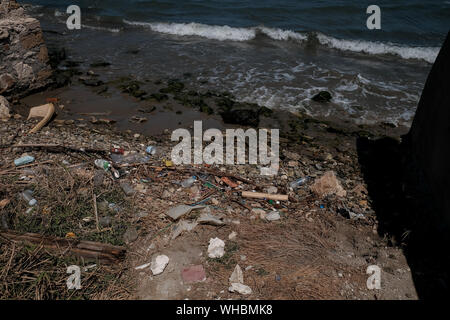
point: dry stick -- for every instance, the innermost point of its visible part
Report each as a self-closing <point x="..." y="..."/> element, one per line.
<point x="96" y="250"/>
<point x="94" y="199"/>
<point x="258" y="195"/>
<point x="55" y="147"/>
<point x="25" y="166"/>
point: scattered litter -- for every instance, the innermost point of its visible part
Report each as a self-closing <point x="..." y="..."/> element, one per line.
<point x="273" y="216"/>
<point x="89" y="267"/>
<point x="208" y="218"/>
<point x="229" y="183"/>
<point x="176" y="212"/>
<point x="117" y="150"/>
<point x="183" y="226"/>
<point x="46" y="111"/>
<point x="27" y="195"/>
<point x="237" y="276"/>
<point x="141" y="267"/>
<point x="328" y="184"/>
<point x="193" y="274"/>
<point x="232" y="235"/>
<point x="298" y="183"/>
<point x="159" y="264"/>
<point x="23" y="160"/>
<point x="188" y="182"/>
<point x="168" y="163"/>
<point x="106" y="165"/>
<point x="151" y="150"/>
<point x="131" y="158"/>
<point x="127" y="188"/>
<point x="216" y="248"/>
<point x="240" y="288"/>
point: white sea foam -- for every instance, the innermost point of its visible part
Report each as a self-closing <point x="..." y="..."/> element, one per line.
<point x="224" y="33"/>
<point x="197" y="29"/>
<point x="279" y="34"/>
<point x="113" y="30"/>
<point x="427" y="54"/>
<point x="221" y="33"/>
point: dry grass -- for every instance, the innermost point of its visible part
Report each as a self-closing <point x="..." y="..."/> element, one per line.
<point x="30" y="272"/>
<point x="65" y="204"/>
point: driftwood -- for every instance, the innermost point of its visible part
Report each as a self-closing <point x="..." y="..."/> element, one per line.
<point x="102" y="252"/>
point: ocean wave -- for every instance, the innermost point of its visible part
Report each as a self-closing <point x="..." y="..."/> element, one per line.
<point x="221" y="33"/>
<point x="427" y="54"/>
<point x="224" y="33"/>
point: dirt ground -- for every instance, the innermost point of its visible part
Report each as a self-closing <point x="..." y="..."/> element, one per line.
<point x="314" y="251"/>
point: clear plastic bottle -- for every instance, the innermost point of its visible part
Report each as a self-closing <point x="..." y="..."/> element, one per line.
<point x="27" y="195"/>
<point x="103" y="164"/>
<point x="188" y="182"/>
<point x="299" y="182"/>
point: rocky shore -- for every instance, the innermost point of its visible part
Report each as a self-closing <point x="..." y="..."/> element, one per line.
<point x="316" y="244"/>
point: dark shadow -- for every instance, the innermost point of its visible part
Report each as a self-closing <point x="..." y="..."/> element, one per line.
<point x="404" y="209"/>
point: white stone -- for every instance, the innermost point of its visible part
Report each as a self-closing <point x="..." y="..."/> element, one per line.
<point x="216" y="248"/>
<point x="159" y="264"/>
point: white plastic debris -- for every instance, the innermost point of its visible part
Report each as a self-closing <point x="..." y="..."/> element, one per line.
<point x="159" y="264"/>
<point x="237" y="276"/>
<point x="142" y="266"/>
<point x="178" y="211"/>
<point x="240" y="288"/>
<point x="216" y="248"/>
<point x="208" y="218"/>
<point x="273" y="216"/>
<point x="183" y="226"/>
<point x="232" y="235"/>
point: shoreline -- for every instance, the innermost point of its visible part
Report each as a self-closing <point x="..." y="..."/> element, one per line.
<point x="315" y="242"/>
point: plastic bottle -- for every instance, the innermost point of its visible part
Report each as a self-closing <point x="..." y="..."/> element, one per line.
<point x="151" y="150"/>
<point x="27" y="195"/>
<point x="188" y="182"/>
<point x="297" y="183"/>
<point x="102" y="164"/>
<point x="23" y="160"/>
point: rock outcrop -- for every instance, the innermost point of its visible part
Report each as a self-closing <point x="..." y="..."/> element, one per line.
<point x="24" y="62"/>
<point x="429" y="136"/>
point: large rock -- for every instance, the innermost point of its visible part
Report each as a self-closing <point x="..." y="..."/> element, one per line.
<point x="24" y="63"/>
<point x="430" y="134"/>
<point x="4" y="108"/>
